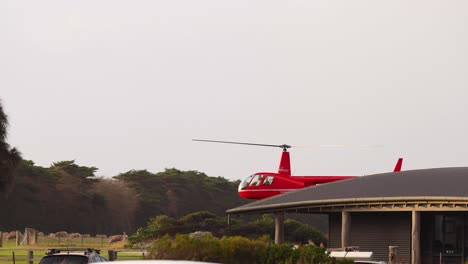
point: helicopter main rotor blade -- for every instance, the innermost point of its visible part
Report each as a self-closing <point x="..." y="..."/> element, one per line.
<point x="353" y="146"/>
<point x="243" y="143"/>
<point x="338" y="145"/>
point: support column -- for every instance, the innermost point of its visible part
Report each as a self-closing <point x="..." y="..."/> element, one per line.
<point x="415" y="237"/>
<point x="279" y="227"/>
<point x="345" y="229"/>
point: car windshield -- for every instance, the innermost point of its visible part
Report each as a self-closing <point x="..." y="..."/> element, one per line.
<point x="65" y="259"/>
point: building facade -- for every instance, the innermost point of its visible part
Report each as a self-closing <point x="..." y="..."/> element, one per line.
<point x="422" y="212"/>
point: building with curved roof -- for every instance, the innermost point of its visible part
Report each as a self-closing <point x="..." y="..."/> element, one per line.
<point x="423" y="212"/>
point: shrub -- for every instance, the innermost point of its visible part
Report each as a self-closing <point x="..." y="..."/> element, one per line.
<point x="298" y="232"/>
<point x="236" y="250"/>
<point x="276" y="254"/>
<point x="157" y="227"/>
<point x="197" y="217"/>
<point x="184" y="247"/>
<point x="239" y="249"/>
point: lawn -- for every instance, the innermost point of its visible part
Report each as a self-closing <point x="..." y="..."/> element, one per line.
<point x="21" y="253"/>
<point x="21" y="256"/>
<point x="6" y="256"/>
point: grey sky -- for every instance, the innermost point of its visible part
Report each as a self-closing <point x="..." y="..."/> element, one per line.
<point x="126" y="85"/>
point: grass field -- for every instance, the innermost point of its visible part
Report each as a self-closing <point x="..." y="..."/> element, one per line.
<point x="73" y="242"/>
<point x="47" y="242"/>
<point x="6" y="256"/>
<point x="21" y="256"/>
<point x="21" y="253"/>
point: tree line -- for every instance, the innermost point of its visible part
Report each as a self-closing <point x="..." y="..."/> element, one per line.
<point x="66" y="196"/>
<point x="9" y="157"/>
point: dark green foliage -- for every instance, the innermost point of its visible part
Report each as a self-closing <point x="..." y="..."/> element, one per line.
<point x="9" y="157"/>
<point x="79" y="202"/>
<point x="287" y="253"/>
<point x="3" y="124"/>
<point x="278" y="253"/>
<point x="59" y="200"/>
<point x="67" y="196"/>
<point x="237" y="250"/>
<point x="296" y="231"/>
<point x="71" y="168"/>
<point x="98" y="201"/>
<point x="197" y="217"/>
<point x="204" y="221"/>
<point x="167" y="193"/>
<point x="157" y="227"/>
<point x="29" y="169"/>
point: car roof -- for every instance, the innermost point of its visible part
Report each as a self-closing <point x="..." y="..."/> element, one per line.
<point x="74" y="251"/>
<point x="369" y="262"/>
<point x="68" y="254"/>
<point x="161" y="262"/>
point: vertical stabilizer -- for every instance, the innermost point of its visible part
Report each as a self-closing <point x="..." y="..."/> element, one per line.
<point x="285" y="164"/>
<point x="398" y="165"/>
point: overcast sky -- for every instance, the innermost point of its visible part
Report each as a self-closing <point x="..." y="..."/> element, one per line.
<point x="126" y="85"/>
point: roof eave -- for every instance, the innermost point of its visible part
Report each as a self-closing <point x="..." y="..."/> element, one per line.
<point x="331" y="202"/>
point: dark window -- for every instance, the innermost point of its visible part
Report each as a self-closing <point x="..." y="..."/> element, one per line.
<point x="99" y="259"/>
<point x="268" y="180"/>
<point x="65" y="259"/>
<point x="448" y="235"/>
<point x="245" y="182"/>
<point x="256" y="180"/>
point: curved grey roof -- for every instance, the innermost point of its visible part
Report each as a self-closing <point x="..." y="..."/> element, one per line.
<point x="438" y="182"/>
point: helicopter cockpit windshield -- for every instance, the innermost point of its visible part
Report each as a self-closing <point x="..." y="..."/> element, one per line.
<point x="245" y="182"/>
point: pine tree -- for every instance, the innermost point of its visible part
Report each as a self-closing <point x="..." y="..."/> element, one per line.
<point x="9" y="157"/>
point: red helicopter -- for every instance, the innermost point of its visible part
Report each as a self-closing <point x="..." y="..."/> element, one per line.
<point x="262" y="185"/>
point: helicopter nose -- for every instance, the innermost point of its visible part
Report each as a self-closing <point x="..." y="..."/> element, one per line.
<point x="244" y="195"/>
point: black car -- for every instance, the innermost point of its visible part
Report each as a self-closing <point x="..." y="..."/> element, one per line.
<point x="72" y="256"/>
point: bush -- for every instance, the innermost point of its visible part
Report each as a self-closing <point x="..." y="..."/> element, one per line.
<point x="298" y="232"/>
<point x="276" y="254"/>
<point x="236" y="250"/>
<point x="196" y="217"/>
<point x="157" y="227"/>
<point x="184" y="247"/>
<point x="161" y="225"/>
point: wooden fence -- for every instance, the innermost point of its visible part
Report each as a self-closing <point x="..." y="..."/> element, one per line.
<point x="48" y="241"/>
